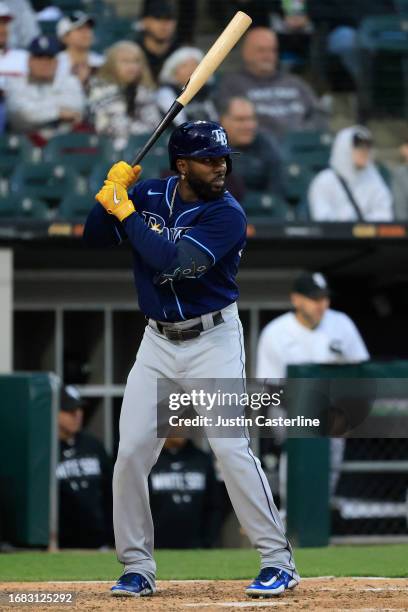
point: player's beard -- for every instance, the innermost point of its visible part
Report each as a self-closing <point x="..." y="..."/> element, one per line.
<point x="205" y="191"/>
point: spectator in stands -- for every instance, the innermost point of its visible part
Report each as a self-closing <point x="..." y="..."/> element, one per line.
<point x="121" y="97"/>
<point x="399" y="184"/>
<point x="76" y="34"/>
<point x="42" y="103"/>
<point x="338" y="22"/>
<point x="24" y="27"/>
<point x="259" y="167"/>
<point x="311" y="333"/>
<point x="157" y="36"/>
<point x="175" y="73"/>
<point x="352" y="189"/>
<point x="185" y="497"/>
<point x="291" y="23"/>
<point x="84" y="474"/>
<point x="13" y="62"/>
<point x="282" y="101"/>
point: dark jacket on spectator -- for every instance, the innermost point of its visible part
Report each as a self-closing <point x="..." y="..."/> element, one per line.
<point x="259" y="168"/>
<point x="334" y="13"/>
<point x="155" y="62"/>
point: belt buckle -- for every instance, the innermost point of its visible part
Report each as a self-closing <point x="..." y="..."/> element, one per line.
<point x="173" y="334"/>
<point x="180" y="335"/>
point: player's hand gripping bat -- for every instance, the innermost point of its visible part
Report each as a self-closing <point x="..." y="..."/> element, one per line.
<point x="208" y="65"/>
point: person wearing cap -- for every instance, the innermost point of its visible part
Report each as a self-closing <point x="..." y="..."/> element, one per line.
<point x="42" y="103"/>
<point x="76" y="33"/>
<point x="157" y="37"/>
<point x="352" y="188"/>
<point x="84" y="475"/>
<point x="311" y="332"/>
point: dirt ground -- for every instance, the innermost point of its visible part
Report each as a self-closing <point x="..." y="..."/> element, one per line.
<point x="312" y="594"/>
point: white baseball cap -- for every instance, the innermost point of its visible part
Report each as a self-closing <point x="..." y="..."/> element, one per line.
<point x="5" y="11"/>
<point x="71" y="22"/>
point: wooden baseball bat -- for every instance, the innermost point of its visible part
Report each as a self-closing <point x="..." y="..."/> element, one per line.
<point x="208" y="65"/>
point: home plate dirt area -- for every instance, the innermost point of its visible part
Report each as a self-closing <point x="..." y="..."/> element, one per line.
<point x="312" y="594"/>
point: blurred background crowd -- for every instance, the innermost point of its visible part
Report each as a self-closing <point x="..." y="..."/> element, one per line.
<point x="314" y="97"/>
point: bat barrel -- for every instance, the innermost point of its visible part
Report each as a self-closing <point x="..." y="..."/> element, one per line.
<point x="163" y="125"/>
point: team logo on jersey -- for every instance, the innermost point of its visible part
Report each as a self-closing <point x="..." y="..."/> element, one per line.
<point x="158" y="225"/>
<point x="220" y="136"/>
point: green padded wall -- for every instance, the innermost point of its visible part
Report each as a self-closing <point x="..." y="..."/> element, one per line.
<point x="25" y="442"/>
<point x="308" y="512"/>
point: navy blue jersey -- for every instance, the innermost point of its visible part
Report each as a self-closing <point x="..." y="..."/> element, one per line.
<point x="216" y="228"/>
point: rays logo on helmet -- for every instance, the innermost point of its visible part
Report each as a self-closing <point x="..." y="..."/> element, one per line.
<point x="220" y="136"/>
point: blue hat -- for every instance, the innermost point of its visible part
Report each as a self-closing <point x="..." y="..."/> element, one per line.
<point x="44" y="46"/>
<point x="199" y="139"/>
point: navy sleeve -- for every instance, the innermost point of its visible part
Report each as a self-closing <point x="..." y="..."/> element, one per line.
<point x="156" y="250"/>
<point x="102" y="229"/>
<point x="219" y="230"/>
<point x="190" y="262"/>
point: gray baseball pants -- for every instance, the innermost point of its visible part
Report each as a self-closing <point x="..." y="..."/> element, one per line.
<point x="217" y="353"/>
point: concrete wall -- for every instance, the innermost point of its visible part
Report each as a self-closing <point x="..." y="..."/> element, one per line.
<point x="6" y="310"/>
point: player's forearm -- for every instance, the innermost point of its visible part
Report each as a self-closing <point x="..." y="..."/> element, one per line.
<point x="102" y="229"/>
<point x="156" y="250"/>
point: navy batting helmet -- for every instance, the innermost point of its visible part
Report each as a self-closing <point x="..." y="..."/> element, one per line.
<point x="199" y="139"/>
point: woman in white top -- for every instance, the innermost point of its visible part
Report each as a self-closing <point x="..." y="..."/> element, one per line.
<point x="121" y="98"/>
<point x="176" y="71"/>
<point x="352" y="189"/>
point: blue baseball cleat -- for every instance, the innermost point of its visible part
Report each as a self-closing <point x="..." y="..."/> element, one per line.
<point x="271" y="581"/>
<point x="132" y="585"/>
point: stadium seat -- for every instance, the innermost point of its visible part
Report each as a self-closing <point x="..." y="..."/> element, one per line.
<point x="260" y="204"/>
<point x="156" y="162"/>
<point x="75" y="207"/>
<point x="13" y="150"/>
<point x="383" y="83"/>
<point x="77" y="150"/>
<point x="98" y="175"/>
<point x="49" y="182"/>
<point x="110" y="30"/>
<point x="309" y="148"/>
<point x="297" y="179"/>
<point x="24" y="207"/>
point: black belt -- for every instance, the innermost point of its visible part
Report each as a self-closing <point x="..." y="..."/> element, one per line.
<point x="172" y="333"/>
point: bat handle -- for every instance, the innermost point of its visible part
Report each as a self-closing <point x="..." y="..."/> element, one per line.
<point x="166" y="121"/>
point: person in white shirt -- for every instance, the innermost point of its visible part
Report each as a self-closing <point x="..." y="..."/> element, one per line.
<point x="76" y="34"/>
<point x="24" y="27"/>
<point x="311" y="333"/>
<point x="352" y="189"/>
<point x="42" y="103"/>
<point x="13" y="62"/>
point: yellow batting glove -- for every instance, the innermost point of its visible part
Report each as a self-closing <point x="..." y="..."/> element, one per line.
<point x="124" y="174"/>
<point x="114" y="199"/>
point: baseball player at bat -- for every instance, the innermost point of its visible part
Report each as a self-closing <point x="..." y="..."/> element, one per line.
<point x="186" y="233"/>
